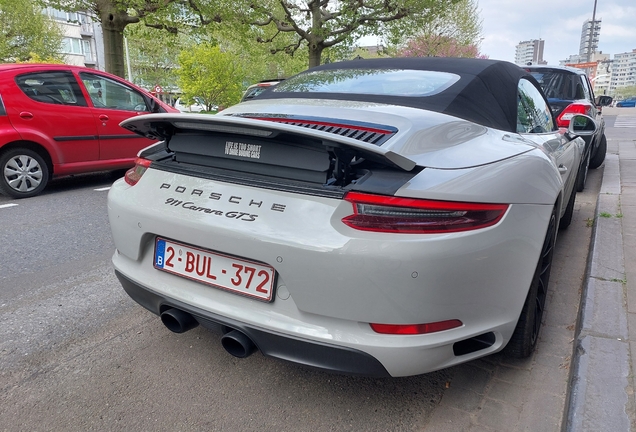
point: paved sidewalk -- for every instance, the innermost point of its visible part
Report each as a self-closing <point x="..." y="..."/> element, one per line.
<point x="602" y="384"/>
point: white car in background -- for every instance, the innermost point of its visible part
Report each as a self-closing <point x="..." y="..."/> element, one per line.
<point x="196" y="107"/>
<point x="383" y="217"/>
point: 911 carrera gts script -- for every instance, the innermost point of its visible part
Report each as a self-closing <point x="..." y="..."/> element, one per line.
<point x="233" y="199"/>
<point x="189" y="205"/>
<point x="252" y="151"/>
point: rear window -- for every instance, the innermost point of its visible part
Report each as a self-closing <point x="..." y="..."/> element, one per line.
<point x="559" y="84"/>
<point x="389" y="82"/>
<point x="60" y="88"/>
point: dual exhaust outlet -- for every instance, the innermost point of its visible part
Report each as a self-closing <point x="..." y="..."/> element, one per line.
<point x="235" y="342"/>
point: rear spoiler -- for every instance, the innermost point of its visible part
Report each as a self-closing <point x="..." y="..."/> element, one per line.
<point x="164" y="127"/>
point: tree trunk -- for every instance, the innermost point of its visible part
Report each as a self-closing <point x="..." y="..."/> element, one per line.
<point x="315" y="38"/>
<point x="315" y="54"/>
<point x="114" y="22"/>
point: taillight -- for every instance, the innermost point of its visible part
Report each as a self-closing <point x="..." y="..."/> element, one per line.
<point x="133" y="175"/>
<point x="563" y="120"/>
<point x="381" y="213"/>
<point x="415" y="329"/>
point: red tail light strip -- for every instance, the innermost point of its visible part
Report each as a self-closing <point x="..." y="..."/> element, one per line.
<point x="379" y="213"/>
<point x="415" y="329"/>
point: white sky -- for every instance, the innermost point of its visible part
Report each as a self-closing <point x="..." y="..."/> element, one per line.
<point x="558" y="23"/>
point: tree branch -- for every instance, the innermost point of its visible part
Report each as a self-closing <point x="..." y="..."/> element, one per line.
<point x="169" y="29"/>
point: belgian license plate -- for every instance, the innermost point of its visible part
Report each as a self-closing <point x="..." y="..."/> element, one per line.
<point x="221" y="271"/>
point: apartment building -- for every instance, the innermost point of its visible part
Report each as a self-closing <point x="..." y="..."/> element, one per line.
<point x="530" y="52"/>
<point x="82" y="44"/>
<point x="623" y="71"/>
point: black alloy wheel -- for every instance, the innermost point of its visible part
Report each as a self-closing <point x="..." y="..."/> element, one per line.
<point x="526" y="334"/>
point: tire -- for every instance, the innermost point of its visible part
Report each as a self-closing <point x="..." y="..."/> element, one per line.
<point x="566" y="219"/>
<point x="581" y="177"/>
<point x="23" y="173"/>
<point x="524" y="339"/>
<point x="598" y="157"/>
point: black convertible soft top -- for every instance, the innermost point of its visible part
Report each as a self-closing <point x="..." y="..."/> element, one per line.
<point x="486" y="92"/>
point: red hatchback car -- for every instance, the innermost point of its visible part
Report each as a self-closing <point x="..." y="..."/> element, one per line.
<point x="57" y="120"/>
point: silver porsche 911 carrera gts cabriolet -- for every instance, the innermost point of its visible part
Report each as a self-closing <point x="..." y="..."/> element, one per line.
<point x="384" y="217"/>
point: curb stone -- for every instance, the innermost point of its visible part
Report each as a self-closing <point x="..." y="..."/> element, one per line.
<point x="600" y="375"/>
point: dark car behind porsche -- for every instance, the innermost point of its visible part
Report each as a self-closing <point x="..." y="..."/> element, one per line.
<point x="570" y="92"/>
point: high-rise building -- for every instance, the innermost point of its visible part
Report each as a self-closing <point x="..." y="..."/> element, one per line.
<point x="623" y="72"/>
<point x="589" y="38"/>
<point x="529" y="52"/>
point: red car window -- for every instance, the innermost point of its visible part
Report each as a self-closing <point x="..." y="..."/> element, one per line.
<point x="109" y="94"/>
<point x="59" y="88"/>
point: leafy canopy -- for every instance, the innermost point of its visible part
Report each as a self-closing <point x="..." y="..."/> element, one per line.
<point x="455" y="34"/>
<point x="323" y="24"/>
<point x="25" y="33"/>
<point x="625" y="92"/>
<point x="208" y="73"/>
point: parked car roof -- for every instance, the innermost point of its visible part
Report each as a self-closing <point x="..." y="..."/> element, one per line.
<point x="484" y="91"/>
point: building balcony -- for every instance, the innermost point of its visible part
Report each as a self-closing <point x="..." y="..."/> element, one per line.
<point x="86" y="29"/>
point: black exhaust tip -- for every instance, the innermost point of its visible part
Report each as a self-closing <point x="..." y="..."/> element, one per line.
<point x="238" y="344"/>
<point x="178" y="321"/>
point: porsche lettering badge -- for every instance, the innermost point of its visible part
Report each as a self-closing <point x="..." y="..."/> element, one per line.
<point x="215" y="196"/>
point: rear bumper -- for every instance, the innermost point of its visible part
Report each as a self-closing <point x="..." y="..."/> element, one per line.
<point x="331" y="282"/>
<point x="336" y="359"/>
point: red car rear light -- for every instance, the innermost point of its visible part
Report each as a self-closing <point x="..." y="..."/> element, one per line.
<point x="134" y="174"/>
<point x="414" y="329"/>
<point x="381" y="213"/>
<point x="563" y="120"/>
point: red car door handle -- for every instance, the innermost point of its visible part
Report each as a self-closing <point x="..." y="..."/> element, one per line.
<point x="103" y="117"/>
<point x="26" y="115"/>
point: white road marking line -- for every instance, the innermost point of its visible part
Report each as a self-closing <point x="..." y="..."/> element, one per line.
<point x="102" y="189"/>
<point x="625" y="122"/>
<point x="7" y="205"/>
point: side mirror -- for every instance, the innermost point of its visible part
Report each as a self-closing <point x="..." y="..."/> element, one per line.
<point x="603" y="100"/>
<point x="582" y="125"/>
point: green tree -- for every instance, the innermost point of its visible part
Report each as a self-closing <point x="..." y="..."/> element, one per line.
<point x="260" y="62"/>
<point x="169" y="15"/>
<point x="154" y="55"/>
<point x="438" y="46"/>
<point x="213" y="75"/>
<point x="324" y="24"/>
<point x="457" y="33"/>
<point x="26" y="32"/>
<point x="625" y="92"/>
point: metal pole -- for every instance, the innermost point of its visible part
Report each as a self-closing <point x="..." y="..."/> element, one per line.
<point x="129" y="69"/>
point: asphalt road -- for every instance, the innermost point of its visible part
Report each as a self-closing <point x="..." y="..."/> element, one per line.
<point x="77" y="354"/>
